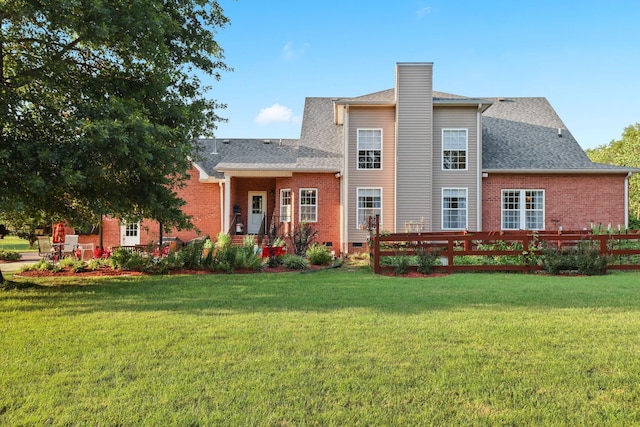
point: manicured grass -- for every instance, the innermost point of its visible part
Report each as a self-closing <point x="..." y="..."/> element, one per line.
<point x="336" y="347"/>
<point x="13" y="243"/>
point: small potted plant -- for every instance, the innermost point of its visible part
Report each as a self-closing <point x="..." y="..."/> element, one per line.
<point x="207" y="247"/>
<point x="278" y="248"/>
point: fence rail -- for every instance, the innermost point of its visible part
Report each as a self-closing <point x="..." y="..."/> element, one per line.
<point x="521" y="248"/>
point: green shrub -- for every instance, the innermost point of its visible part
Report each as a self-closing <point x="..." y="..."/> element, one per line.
<point x="223" y="259"/>
<point x="190" y="256"/>
<point x="40" y="265"/>
<point x="585" y="258"/>
<point x="294" y="262"/>
<point x="319" y="255"/>
<point x="9" y="255"/>
<point x="152" y="265"/>
<point x="274" y="261"/>
<point x="247" y="259"/>
<point x="95" y="264"/>
<point x="248" y="241"/>
<point x="72" y="263"/>
<point x="400" y="265"/>
<point x="223" y="240"/>
<point x="124" y="259"/>
<point x="427" y="260"/>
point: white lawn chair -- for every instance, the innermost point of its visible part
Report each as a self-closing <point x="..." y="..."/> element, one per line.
<point x="70" y="244"/>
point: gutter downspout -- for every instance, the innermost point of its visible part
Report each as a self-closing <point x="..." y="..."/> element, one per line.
<point x="479" y="170"/>
<point x="227" y="203"/>
<point x="222" y="193"/>
<point x="626" y="200"/>
<point x="344" y="220"/>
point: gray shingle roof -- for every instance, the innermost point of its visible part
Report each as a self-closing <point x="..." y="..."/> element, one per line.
<point x="318" y="149"/>
<point x="522" y="134"/>
<point x="519" y="134"/>
<point x="321" y="141"/>
<point x="246" y="154"/>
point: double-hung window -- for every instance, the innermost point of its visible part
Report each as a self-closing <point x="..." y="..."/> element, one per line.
<point x="369" y="205"/>
<point x="285" y="205"/>
<point x="454" y="208"/>
<point x="308" y="205"/>
<point x="523" y="209"/>
<point x="454" y="149"/>
<point x="369" y="149"/>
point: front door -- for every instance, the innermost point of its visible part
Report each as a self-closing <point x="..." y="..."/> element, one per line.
<point x="130" y="233"/>
<point x="256" y="211"/>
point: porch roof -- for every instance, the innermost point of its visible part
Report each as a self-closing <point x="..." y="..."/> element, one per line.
<point x="218" y="155"/>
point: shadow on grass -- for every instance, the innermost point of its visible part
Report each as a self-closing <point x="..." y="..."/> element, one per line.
<point x="329" y="291"/>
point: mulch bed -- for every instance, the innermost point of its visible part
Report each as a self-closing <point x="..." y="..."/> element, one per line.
<point x="108" y="271"/>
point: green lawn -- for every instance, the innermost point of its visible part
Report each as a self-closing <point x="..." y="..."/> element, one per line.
<point x="13" y="243"/>
<point x="338" y="347"/>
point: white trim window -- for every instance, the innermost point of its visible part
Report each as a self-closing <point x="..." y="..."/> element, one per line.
<point x="308" y="205"/>
<point x="369" y="148"/>
<point x="369" y="205"/>
<point x="454" y="149"/>
<point x="285" y="205"/>
<point x="454" y="208"/>
<point x="523" y="209"/>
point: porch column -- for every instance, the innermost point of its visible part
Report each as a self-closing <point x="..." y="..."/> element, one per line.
<point x="227" y="202"/>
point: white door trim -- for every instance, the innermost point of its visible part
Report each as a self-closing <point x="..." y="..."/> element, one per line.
<point x="129" y="233"/>
<point x="254" y="219"/>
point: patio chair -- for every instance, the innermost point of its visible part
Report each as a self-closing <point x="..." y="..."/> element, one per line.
<point x="45" y="250"/>
<point x="85" y="247"/>
<point x="70" y="244"/>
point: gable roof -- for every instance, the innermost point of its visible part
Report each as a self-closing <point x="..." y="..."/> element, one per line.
<point x="319" y="148"/>
<point x="527" y="135"/>
<point x="321" y="145"/>
<point x="519" y="135"/>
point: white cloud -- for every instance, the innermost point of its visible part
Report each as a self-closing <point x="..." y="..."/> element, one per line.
<point x="275" y="114"/>
<point x="423" y="11"/>
<point x="290" y="52"/>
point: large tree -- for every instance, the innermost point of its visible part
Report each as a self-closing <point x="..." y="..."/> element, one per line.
<point x="624" y="152"/>
<point x="100" y="102"/>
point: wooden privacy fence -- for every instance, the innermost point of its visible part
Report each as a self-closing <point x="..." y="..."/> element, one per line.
<point x="500" y="251"/>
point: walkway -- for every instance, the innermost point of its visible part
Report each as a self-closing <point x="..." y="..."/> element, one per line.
<point x="27" y="258"/>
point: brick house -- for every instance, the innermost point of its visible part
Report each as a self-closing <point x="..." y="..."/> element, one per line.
<point x="422" y="160"/>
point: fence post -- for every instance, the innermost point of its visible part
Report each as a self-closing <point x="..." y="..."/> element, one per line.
<point x="450" y="255"/>
<point x="603" y="245"/>
<point x="525" y="249"/>
<point x="376" y="247"/>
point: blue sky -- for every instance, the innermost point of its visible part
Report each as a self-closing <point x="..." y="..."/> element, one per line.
<point x="584" y="57"/>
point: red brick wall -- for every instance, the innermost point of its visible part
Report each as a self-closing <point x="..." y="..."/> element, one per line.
<point x="202" y="203"/>
<point x="572" y="202"/>
<point x="328" y="187"/>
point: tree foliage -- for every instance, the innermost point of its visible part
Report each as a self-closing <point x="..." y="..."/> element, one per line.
<point x="625" y="152"/>
<point x="100" y="104"/>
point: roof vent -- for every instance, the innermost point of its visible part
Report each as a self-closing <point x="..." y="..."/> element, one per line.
<point x="266" y="141"/>
<point x="560" y="132"/>
<point x="225" y="141"/>
<point x="215" y="146"/>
